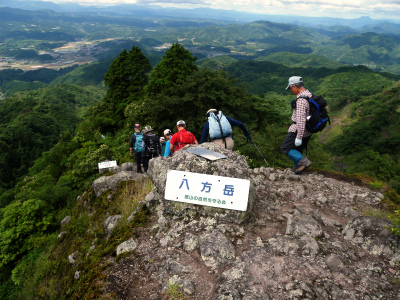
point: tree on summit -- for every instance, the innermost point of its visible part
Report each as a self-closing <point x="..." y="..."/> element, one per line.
<point x="176" y="65"/>
<point x="126" y="79"/>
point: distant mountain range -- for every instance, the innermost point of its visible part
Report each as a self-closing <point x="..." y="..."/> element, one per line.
<point x="229" y="16"/>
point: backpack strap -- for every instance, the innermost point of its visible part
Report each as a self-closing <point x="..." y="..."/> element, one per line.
<point x="178" y="142"/>
<point x="220" y="128"/>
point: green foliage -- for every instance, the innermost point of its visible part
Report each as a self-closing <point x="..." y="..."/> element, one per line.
<point x="296" y="60"/>
<point x="32" y="122"/>
<point x="85" y="161"/>
<point x="177" y="63"/>
<point x="336" y="87"/>
<point x="20" y="224"/>
<point x="190" y="100"/>
<point x="216" y="63"/>
<point x="42" y="75"/>
<point x="55" y="276"/>
<point x="376" y="185"/>
<point x="125" y="80"/>
<point x="32" y="267"/>
<point x="175" y="292"/>
<point x="91" y="74"/>
<point x="374" y="116"/>
<point x="396" y="223"/>
<point x="12" y="87"/>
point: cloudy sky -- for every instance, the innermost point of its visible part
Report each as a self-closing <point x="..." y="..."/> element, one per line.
<point x="333" y="8"/>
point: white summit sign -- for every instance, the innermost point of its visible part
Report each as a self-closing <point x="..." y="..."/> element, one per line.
<point x="107" y="164"/>
<point x="208" y="190"/>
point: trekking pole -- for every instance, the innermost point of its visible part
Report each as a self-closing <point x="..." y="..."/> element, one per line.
<point x="259" y="152"/>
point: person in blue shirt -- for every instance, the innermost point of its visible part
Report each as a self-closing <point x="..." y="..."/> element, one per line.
<point x="168" y="136"/>
<point x="219" y="128"/>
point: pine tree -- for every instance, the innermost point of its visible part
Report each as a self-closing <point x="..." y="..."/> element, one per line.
<point x="126" y="79"/>
<point x="176" y="65"/>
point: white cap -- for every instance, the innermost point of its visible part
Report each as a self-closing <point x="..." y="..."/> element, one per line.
<point x="294" y="80"/>
<point x="166" y="131"/>
<point x="181" y="122"/>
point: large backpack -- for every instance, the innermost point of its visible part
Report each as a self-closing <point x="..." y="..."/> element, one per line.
<point x="154" y="146"/>
<point x="138" y="144"/>
<point x="219" y="126"/>
<point x="185" y="138"/>
<point x="318" y="116"/>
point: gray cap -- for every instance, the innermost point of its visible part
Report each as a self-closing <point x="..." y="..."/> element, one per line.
<point x="294" y="80"/>
<point x="180" y="122"/>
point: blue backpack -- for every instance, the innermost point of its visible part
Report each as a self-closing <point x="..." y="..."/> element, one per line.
<point x="138" y="144"/>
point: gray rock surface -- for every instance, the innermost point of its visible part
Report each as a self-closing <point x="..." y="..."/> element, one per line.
<point x="216" y="250"/>
<point x="66" y="220"/>
<point x="303" y="224"/>
<point x="128" y="166"/>
<point x="304" y="238"/>
<point x="105" y="183"/>
<point x="110" y="223"/>
<point x="127" y="246"/>
<point x="234" y="165"/>
<point x="77" y="275"/>
<point x="61" y="235"/>
<point x="72" y="258"/>
<point x="115" y="169"/>
<point x="372" y="234"/>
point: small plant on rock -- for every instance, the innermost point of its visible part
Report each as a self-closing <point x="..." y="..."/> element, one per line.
<point x="175" y="292"/>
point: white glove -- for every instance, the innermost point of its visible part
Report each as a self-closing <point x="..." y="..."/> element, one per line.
<point x="297" y="142"/>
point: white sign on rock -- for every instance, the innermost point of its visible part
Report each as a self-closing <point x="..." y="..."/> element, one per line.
<point x="107" y="164"/>
<point x="208" y="190"/>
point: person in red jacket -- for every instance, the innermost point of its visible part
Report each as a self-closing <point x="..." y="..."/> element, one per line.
<point x="182" y="137"/>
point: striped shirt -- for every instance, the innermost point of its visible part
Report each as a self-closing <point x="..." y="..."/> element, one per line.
<point x="299" y="116"/>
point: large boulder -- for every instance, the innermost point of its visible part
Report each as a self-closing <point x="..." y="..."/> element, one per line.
<point x="105" y="183"/>
<point x="234" y="166"/>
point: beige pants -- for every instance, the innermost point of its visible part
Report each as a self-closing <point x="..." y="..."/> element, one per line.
<point x="229" y="143"/>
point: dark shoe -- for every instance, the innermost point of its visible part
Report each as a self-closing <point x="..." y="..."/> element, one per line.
<point x="299" y="169"/>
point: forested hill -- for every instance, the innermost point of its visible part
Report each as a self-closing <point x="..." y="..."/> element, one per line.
<point x="33" y="122"/>
<point x="265" y="76"/>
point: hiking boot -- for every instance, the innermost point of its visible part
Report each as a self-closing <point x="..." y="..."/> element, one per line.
<point x="304" y="162"/>
<point x="299" y="169"/>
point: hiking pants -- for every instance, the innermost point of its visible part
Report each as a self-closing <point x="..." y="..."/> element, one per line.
<point x="288" y="148"/>
<point x="138" y="158"/>
<point x="146" y="159"/>
<point x="220" y="142"/>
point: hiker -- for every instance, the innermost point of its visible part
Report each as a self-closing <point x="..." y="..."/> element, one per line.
<point x="298" y="137"/>
<point x="152" y="146"/>
<point x="168" y="136"/>
<point x="136" y="146"/>
<point x="181" y="138"/>
<point x="162" y="143"/>
<point x="220" y="129"/>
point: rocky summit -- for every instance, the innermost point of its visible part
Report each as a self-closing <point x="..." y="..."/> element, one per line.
<point x="302" y="237"/>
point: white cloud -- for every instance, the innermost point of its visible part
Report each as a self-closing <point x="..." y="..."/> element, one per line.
<point x="318" y="8"/>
